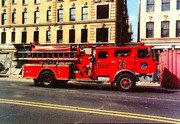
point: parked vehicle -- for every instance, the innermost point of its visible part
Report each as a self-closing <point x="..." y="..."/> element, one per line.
<point x="169" y="62"/>
<point x="119" y="65"/>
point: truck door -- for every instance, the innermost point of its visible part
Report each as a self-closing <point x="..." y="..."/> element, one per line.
<point x="144" y="61"/>
<point x="102" y="65"/>
<point x="123" y="59"/>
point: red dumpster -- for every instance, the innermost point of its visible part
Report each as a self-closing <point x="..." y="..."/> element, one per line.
<point x="169" y="62"/>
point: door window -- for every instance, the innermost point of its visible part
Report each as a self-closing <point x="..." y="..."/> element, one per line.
<point x="122" y="53"/>
<point x="143" y="53"/>
<point x="103" y="55"/>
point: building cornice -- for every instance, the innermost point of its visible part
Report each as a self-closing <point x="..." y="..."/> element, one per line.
<point x="58" y="23"/>
<point x="161" y="40"/>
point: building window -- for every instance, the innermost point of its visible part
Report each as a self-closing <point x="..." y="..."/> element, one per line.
<point x="14" y="17"/>
<point x="3" y="37"/>
<point x="24" y="2"/>
<point x="24" y="37"/>
<point x="85" y="13"/>
<point x="37" y="1"/>
<point x="13" y="1"/>
<point x="149" y="29"/>
<point x="102" y="34"/>
<point x="72" y="14"/>
<point x="4" y="2"/>
<point x="48" y="15"/>
<point x="36" y="36"/>
<point x="13" y="36"/>
<point x="177" y="28"/>
<point x="102" y="11"/>
<point x="72" y="36"/>
<point x="59" y="36"/>
<point x="4" y="18"/>
<point x="178" y="4"/>
<point x="36" y="17"/>
<point x="24" y="18"/>
<point x="165" y="29"/>
<point x="48" y="36"/>
<point x="60" y="15"/>
<point x="150" y="6"/>
<point x="84" y="34"/>
<point x="165" y="5"/>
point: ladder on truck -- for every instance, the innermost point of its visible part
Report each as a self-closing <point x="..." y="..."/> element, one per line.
<point x="46" y="56"/>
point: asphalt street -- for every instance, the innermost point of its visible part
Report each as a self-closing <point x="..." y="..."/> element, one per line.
<point x="23" y="103"/>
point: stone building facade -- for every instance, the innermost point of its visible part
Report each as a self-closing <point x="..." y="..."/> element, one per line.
<point x="159" y="23"/>
<point x="63" y="21"/>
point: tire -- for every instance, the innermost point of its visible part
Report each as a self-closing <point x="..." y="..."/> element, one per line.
<point x="126" y="82"/>
<point x="36" y="82"/>
<point x="47" y="79"/>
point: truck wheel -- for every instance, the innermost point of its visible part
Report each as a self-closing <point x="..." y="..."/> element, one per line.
<point x="47" y="79"/>
<point x="36" y="82"/>
<point x="126" y="82"/>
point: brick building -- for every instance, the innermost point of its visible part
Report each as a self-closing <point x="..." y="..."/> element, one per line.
<point x="63" y="21"/>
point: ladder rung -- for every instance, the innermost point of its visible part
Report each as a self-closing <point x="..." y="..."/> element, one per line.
<point x="46" y="56"/>
<point x="49" y="59"/>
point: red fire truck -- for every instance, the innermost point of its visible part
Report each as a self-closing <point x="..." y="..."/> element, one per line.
<point x="121" y="66"/>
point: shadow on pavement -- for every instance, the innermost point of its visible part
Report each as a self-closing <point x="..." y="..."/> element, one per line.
<point x="139" y="89"/>
<point x="154" y="90"/>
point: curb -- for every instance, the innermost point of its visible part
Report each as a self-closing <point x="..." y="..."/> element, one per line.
<point x="149" y="84"/>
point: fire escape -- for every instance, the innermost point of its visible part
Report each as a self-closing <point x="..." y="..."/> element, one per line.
<point x="122" y="23"/>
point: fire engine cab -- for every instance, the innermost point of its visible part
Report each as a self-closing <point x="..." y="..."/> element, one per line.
<point x="121" y="66"/>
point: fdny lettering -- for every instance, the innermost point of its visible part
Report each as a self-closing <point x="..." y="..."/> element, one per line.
<point x="122" y="64"/>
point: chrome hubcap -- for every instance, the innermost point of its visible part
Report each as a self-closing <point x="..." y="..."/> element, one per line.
<point x="47" y="79"/>
<point x="125" y="83"/>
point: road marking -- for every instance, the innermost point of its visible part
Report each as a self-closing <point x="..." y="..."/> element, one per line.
<point x="92" y="111"/>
